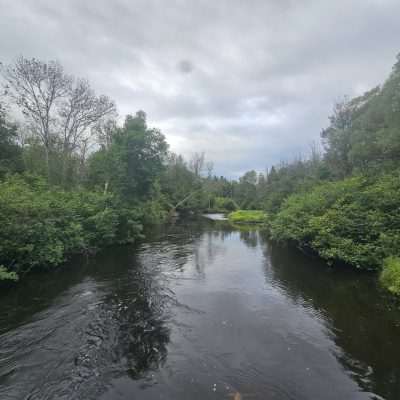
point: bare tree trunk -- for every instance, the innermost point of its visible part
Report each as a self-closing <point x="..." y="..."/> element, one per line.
<point x="105" y="187"/>
<point x="64" y="168"/>
<point x="46" y="154"/>
<point x="185" y="199"/>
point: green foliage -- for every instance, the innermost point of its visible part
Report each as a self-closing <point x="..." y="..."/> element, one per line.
<point x="364" y="131"/>
<point x="293" y="220"/>
<point x="130" y="224"/>
<point x="177" y="182"/>
<point x="6" y="275"/>
<point x="10" y="152"/>
<point x="247" y="216"/>
<point x="41" y="225"/>
<point x="268" y="191"/>
<point x="356" y="220"/>
<point x="345" y="204"/>
<point x="34" y="157"/>
<point x="245" y="191"/>
<point x="390" y="275"/>
<point x="70" y="203"/>
<point x="289" y="178"/>
<point x="153" y="212"/>
<point x="132" y="162"/>
<point x="223" y="204"/>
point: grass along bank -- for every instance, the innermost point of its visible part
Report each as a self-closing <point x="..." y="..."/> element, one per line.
<point x="247" y="217"/>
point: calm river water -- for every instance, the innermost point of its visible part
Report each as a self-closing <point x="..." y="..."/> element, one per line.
<point x="201" y="310"/>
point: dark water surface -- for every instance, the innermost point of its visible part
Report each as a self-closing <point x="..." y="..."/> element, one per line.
<point x="200" y="311"/>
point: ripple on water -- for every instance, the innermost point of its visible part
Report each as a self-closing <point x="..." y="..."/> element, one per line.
<point x="199" y="311"/>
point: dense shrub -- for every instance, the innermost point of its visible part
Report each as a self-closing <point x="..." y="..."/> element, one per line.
<point x="390" y="275"/>
<point x="223" y="204"/>
<point x="6" y="275"/>
<point x="40" y="226"/>
<point x="356" y="220"/>
<point x="294" y="219"/>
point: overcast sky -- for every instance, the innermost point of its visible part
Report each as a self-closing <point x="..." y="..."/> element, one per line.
<point x="249" y="82"/>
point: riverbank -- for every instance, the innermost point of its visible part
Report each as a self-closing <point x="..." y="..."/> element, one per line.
<point x="353" y="221"/>
<point x="43" y="226"/>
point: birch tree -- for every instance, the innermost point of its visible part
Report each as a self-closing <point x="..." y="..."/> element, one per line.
<point x="36" y="87"/>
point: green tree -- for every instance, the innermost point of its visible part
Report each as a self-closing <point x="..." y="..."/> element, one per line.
<point x="10" y="151"/>
<point x="60" y="111"/>
<point x="134" y="160"/>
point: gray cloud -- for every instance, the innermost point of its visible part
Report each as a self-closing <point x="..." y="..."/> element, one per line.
<point x="250" y="83"/>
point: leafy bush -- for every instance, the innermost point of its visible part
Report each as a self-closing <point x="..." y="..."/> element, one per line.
<point x="390" y="275"/>
<point x="6" y="275"/>
<point x="153" y="211"/>
<point x="293" y="222"/>
<point x="40" y="226"/>
<point x="356" y="220"/>
<point x="223" y="204"/>
<point x="247" y="216"/>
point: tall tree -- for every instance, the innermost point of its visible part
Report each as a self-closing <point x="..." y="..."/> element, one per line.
<point x="134" y="160"/>
<point x="197" y="163"/>
<point x="339" y="138"/>
<point x="80" y="111"/>
<point x="10" y="151"/>
<point x="36" y="86"/>
<point x="61" y="110"/>
<point x="177" y="181"/>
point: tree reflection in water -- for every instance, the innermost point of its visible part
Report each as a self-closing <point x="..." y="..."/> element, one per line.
<point x="356" y="313"/>
<point x="192" y="300"/>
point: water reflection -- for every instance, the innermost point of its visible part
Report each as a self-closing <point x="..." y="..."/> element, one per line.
<point x="363" y="321"/>
<point x="250" y="237"/>
<point x="137" y="304"/>
<point x="90" y="323"/>
<point x="201" y="305"/>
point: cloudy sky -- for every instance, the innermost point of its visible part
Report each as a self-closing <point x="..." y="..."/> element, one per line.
<point x="250" y="82"/>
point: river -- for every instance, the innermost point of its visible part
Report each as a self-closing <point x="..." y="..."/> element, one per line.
<point x="200" y="310"/>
